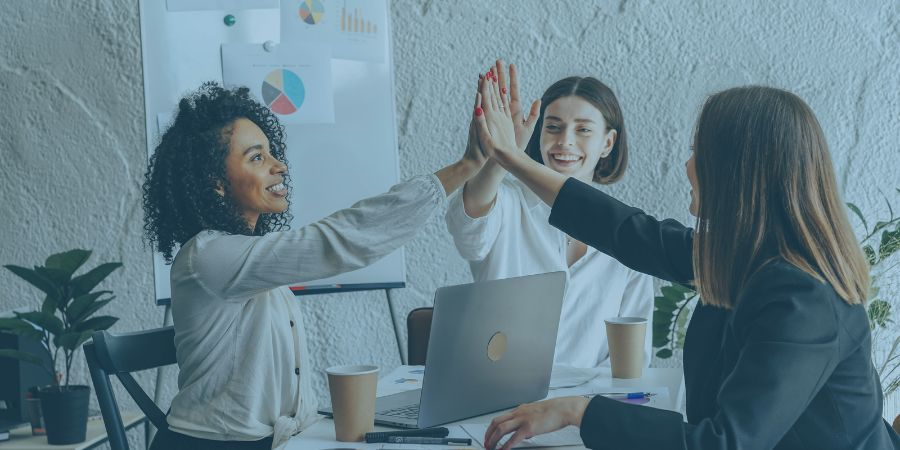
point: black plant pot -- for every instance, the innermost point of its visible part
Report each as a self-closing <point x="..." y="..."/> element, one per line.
<point x="65" y="413"/>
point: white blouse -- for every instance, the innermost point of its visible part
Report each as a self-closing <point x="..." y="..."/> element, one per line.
<point x="515" y="238"/>
<point x="239" y="334"/>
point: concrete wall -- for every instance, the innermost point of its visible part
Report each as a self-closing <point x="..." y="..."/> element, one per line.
<point x="73" y="155"/>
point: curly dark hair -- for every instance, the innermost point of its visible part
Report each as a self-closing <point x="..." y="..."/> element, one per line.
<point x="187" y="166"/>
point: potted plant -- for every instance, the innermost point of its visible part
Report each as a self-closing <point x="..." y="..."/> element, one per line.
<point x="63" y="322"/>
<point x="880" y="244"/>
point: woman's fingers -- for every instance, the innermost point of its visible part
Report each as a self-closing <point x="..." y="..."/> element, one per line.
<point x="502" y="429"/>
<point x="501" y="82"/>
<point x="519" y="436"/>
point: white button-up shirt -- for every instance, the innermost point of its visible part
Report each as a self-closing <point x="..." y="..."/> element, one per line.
<point x="515" y="239"/>
<point x="239" y="333"/>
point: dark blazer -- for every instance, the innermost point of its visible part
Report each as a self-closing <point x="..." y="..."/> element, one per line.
<point x="788" y="367"/>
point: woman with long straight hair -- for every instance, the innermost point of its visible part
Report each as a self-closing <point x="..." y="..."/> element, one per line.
<point x="777" y="355"/>
<point x="500" y="227"/>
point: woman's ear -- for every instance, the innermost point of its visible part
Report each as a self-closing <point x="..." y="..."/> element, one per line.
<point x="220" y="189"/>
<point x="610" y="142"/>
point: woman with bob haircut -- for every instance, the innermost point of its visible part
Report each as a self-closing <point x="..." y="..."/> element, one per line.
<point x="217" y="192"/>
<point x="500" y="227"/>
<point x="778" y="354"/>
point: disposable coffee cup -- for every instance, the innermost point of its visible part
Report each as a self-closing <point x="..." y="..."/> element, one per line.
<point x="352" y="400"/>
<point x="626" y="345"/>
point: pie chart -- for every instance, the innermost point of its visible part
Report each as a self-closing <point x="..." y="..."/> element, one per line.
<point x="283" y="91"/>
<point x="312" y="11"/>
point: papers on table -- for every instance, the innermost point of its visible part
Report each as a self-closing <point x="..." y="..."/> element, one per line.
<point x="560" y="438"/>
<point x="568" y="376"/>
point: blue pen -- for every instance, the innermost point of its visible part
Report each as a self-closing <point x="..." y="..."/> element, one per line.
<point x="627" y="395"/>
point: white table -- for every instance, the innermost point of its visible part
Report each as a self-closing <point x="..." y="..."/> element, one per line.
<point x="320" y="436"/>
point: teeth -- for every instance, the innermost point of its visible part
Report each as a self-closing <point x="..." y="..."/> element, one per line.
<point x="566" y="157"/>
<point x="277" y="187"/>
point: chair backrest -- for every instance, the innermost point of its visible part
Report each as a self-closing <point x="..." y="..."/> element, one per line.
<point x="418" y="329"/>
<point x="120" y="354"/>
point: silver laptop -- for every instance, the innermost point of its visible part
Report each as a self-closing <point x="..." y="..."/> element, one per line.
<point x="491" y="348"/>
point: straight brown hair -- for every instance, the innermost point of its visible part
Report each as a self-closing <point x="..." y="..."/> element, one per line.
<point x="611" y="168"/>
<point x="767" y="190"/>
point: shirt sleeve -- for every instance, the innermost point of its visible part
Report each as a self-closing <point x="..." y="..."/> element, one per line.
<point x="637" y="301"/>
<point x="238" y="266"/>
<point x="639" y="241"/>
<point x="780" y="368"/>
<point x="474" y="236"/>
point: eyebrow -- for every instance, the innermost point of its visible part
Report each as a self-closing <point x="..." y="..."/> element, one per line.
<point x="576" y="120"/>
<point x="253" y="147"/>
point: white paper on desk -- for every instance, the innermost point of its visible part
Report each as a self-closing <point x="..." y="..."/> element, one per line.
<point x="560" y="438"/>
<point x="294" y="81"/>
<point x="222" y="5"/>
<point x="660" y="398"/>
<point x="403" y="378"/>
<point x="564" y="376"/>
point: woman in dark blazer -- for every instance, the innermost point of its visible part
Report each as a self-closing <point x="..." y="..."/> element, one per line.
<point x="777" y="356"/>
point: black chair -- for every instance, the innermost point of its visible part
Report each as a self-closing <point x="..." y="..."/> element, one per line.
<point x="418" y="329"/>
<point x="120" y="354"/>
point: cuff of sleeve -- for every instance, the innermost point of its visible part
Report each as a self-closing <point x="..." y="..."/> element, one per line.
<point x="457" y="210"/>
<point x="437" y="192"/>
<point x="609" y="423"/>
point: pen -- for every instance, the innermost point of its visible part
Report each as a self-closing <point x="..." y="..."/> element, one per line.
<point x="428" y="440"/>
<point x="382" y="436"/>
<point x="627" y="395"/>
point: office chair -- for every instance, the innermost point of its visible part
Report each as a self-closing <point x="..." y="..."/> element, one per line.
<point x="110" y="354"/>
<point x="418" y="329"/>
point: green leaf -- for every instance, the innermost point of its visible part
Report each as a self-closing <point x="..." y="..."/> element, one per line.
<point x="879" y="313"/>
<point x="83" y="284"/>
<point x="859" y="214"/>
<point x="681" y="327"/>
<point x="85" y="305"/>
<point x="664" y="353"/>
<point x="23" y="356"/>
<point x="69" y="261"/>
<point x="96" y="324"/>
<point x="45" y="321"/>
<point x="49" y="304"/>
<point x="879" y="225"/>
<point x="20" y="327"/>
<point x="35" y="279"/>
<point x="890" y="243"/>
<point x="71" y="340"/>
<point x="870" y="255"/>
<point x="58" y="277"/>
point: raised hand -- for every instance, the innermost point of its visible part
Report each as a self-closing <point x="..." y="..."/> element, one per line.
<point x="524" y="125"/>
<point x="496" y="132"/>
<point x="474" y="153"/>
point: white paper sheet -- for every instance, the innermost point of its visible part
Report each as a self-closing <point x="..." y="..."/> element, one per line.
<point x="564" y="376"/>
<point x="294" y="81"/>
<point x="354" y="29"/>
<point x="221" y="5"/>
<point x="560" y="438"/>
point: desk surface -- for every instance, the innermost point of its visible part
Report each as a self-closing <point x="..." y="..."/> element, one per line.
<point x="21" y="438"/>
<point x="565" y="381"/>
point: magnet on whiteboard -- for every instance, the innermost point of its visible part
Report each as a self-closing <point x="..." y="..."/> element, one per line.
<point x="269" y="46"/>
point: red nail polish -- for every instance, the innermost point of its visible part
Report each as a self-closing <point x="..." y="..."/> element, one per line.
<point x="503" y="89"/>
<point x="478" y="111"/>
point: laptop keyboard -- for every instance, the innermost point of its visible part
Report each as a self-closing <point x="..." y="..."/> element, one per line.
<point x="403" y="412"/>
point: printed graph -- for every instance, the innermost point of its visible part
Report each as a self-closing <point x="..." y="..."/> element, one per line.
<point x="312" y="11"/>
<point x="283" y="91"/>
<point x="354" y="21"/>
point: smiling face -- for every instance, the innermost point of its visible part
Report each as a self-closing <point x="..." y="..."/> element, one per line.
<point x="574" y="137"/>
<point x="255" y="177"/>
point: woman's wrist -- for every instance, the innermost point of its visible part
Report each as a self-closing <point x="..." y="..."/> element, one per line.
<point x="576" y="410"/>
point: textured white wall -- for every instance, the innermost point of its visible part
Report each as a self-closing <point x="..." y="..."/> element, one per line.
<point x="73" y="157"/>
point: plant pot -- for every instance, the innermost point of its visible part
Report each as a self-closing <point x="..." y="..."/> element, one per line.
<point x="65" y="411"/>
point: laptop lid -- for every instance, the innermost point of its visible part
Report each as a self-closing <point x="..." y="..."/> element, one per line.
<point x="491" y="346"/>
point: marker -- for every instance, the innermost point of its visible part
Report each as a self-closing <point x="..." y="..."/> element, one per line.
<point x="627" y="395"/>
<point x="428" y="440"/>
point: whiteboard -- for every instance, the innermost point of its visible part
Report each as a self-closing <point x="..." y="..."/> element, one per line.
<point x="331" y="165"/>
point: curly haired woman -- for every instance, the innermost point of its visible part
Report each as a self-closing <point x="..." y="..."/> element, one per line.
<point x="216" y="197"/>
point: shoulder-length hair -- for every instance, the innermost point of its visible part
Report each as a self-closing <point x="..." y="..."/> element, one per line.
<point x="767" y="190"/>
<point x="611" y="168"/>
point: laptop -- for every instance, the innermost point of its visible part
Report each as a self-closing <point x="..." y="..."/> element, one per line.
<point x="491" y="348"/>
